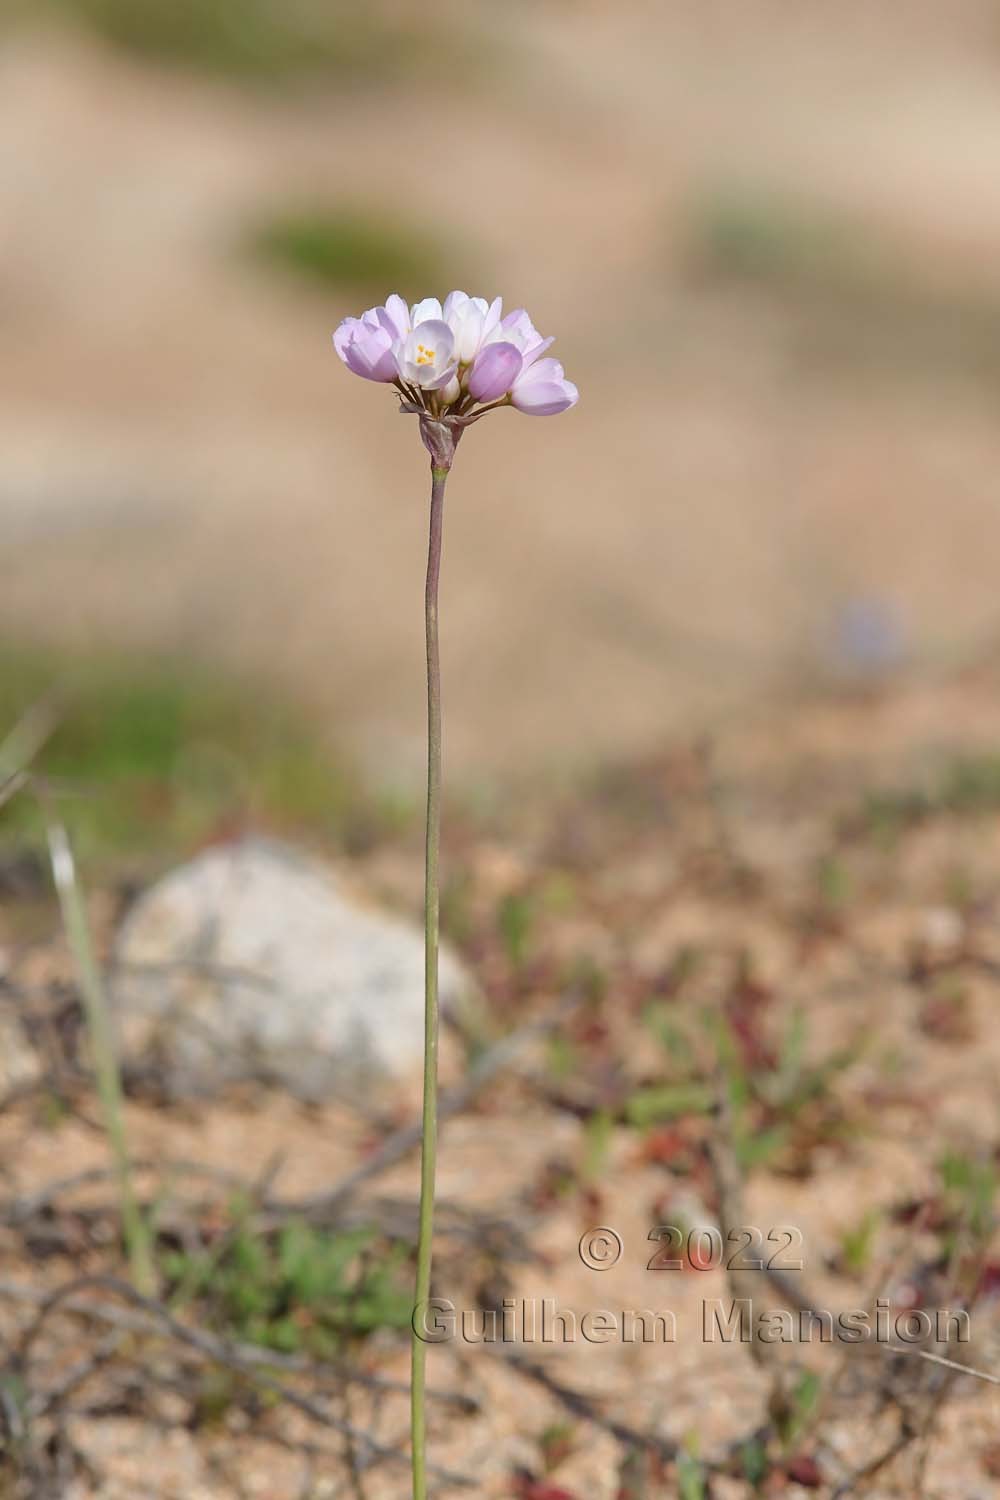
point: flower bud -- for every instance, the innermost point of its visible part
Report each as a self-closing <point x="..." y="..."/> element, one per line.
<point x="495" y="369"/>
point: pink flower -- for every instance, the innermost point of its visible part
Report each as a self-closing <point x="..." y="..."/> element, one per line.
<point x="542" y="391"/>
<point x="454" y="360"/>
<point x="366" y="345"/>
<point x="426" y="357"/>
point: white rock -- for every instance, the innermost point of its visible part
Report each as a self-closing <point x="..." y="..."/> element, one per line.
<point x="254" y="961"/>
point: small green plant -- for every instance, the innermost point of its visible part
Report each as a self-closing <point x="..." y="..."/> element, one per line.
<point x="598" y="1135"/>
<point x="755" y="1463"/>
<point x="780" y="1105"/>
<point x="858" y="1242"/>
<point x="660" y="1020"/>
<point x="794" y="1100"/>
<point x="135" y="1229"/>
<point x="969" y="1186"/>
<point x="300" y="1289"/>
<point x="691" y="1480"/>
<point x="657" y="1103"/>
<point x="755" y="1143"/>
<point x="516" y="921"/>
<point x="350" y="249"/>
<point x="802" y="1403"/>
<point x="556" y="1442"/>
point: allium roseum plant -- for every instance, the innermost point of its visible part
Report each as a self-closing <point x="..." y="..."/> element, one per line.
<point x="451" y="365"/>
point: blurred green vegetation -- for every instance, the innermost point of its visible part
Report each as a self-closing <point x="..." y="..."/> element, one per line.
<point x="853" y="297"/>
<point x="965" y="786"/>
<point x="267" y="40"/>
<point x="803" y="1400"/>
<point x="857" y="1243"/>
<point x="159" y="755"/>
<point x="692" y="1481"/>
<point x="353" y="249"/>
<point x="755" y="235"/>
<point x="298" y="1290"/>
<point x="968" y="1192"/>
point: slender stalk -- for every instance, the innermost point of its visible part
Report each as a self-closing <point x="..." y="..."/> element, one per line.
<point x="428" y="1153"/>
<point x="134" y="1228"/>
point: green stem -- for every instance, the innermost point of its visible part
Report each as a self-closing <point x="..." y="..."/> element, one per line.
<point x="135" y="1231"/>
<point x="428" y="1153"/>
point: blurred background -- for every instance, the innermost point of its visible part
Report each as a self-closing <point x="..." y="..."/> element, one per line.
<point x="703" y="638"/>
<point x="766" y="238"/>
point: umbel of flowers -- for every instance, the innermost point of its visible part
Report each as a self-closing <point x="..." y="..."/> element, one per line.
<point x="456" y="361"/>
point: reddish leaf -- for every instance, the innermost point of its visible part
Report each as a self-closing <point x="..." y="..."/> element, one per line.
<point x="804" y="1470"/>
<point x="527" y="1487"/>
<point x="662" y="1147"/>
<point x="989" y="1458"/>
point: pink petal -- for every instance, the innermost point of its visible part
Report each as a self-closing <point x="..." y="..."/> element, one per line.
<point x="494" y="371"/>
<point x="366" y="351"/>
<point x="399" y="315"/>
<point x="453" y="300"/>
<point x="542" y="369"/>
<point x="427" y="311"/>
<point x="492" y="315"/>
<point x="545" y="398"/>
<point x="343" y="335"/>
<point x="531" y="355"/>
<point x="447" y="375"/>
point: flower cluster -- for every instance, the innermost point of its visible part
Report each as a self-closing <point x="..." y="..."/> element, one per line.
<point x="457" y="360"/>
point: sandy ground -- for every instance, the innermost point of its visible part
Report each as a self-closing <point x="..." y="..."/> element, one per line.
<point x="184" y="464"/>
<point x="899" y="962"/>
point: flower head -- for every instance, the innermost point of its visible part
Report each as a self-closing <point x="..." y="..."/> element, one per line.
<point x="453" y="362"/>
